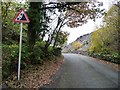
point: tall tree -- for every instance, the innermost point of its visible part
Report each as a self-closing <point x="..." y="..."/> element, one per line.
<point x="112" y="21"/>
<point x="107" y="37"/>
<point x="35" y="27"/>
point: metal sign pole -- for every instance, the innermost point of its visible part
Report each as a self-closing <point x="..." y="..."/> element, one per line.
<point x="21" y="17"/>
<point x="21" y="25"/>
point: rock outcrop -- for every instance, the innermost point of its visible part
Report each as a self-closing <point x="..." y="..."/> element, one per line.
<point x="85" y="40"/>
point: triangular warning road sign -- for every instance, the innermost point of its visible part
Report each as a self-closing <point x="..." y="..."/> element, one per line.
<point x="21" y="17"/>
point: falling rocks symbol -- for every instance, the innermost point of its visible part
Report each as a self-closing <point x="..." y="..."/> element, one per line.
<point x="21" y="16"/>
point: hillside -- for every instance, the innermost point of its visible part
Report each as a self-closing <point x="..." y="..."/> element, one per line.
<point x="84" y="40"/>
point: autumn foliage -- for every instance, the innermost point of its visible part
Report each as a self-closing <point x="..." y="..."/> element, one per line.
<point x="105" y="41"/>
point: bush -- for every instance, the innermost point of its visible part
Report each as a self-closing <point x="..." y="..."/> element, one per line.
<point x="37" y="56"/>
<point x="40" y="43"/>
<point x="57" y="51"/>
<point x="11" y="53"/>
<point x="8" y="63"/>
<point x="39" y="53"/>
<point x="10" y="56"/>
<point x="107" y="55"/>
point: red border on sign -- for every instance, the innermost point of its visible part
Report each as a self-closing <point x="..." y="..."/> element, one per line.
<point x="22" y="21"/>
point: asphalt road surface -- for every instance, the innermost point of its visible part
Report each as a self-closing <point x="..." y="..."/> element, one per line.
<point x="80" y="71"/>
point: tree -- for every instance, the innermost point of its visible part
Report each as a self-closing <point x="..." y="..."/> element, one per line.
<point x="61" y="39"/>
<point x="112" y="23"/>
<point x="107" y="37"/>
<point x="36" y="27"/>
<point x="78" y="12"/>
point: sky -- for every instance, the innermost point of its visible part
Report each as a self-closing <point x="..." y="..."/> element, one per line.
<point x="81" y="30"/>
<point x="88" y="27"/>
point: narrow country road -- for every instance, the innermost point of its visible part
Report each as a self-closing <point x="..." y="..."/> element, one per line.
<point x="80" y="71"/>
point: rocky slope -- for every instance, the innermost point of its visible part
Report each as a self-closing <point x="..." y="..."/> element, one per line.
<point x="84" y="40"/>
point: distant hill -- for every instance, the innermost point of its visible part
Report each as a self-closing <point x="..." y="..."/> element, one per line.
<point x="84" y="40"/>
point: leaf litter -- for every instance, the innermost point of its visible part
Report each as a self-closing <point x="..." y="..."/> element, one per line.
<point x="36" y="75"/>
